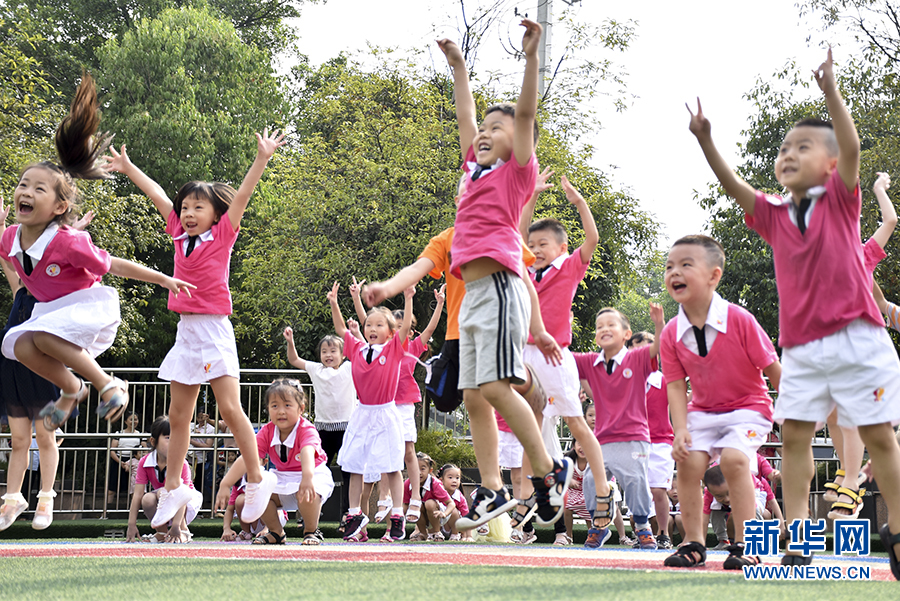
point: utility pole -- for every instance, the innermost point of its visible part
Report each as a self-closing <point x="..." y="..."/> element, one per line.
<point x="544" y="17"/>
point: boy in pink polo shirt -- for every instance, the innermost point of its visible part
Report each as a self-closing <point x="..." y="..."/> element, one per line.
<point x="617" y="378"/>
<point x="556" y="276"/>
<point x="835" y="349"/>
<point x="724" y="352"/>
<point x="497" y="309"/>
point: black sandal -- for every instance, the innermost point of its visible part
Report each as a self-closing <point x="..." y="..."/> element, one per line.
<point x="683" y="557"/>
<point x="520" y="517"/>
<point x="889" y="540"/>
<point x="311" y="538"/>
<point x="736" y="559"/>
<point x="608" y="514"/>
<point x="263" y="539"/>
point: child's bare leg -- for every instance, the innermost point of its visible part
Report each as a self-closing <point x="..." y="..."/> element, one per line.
<point x="310" y="511"/>
<point x="483" y="426"/>
<point x="356" y="490"/>
<point x="178" y="532"/>
<point x="690" y="474"/>
<point x="569" y="517"/>
<point x="148" y="503"/>
<point x="583" y="434"/>
<point x="619" y="523"/>
<point x="49" y="454"/>
<point x="238" y="509"/>
<point x="395" y="482"/>
<point x="521" y="421"/>
<point x="797" y="469"/>
<point x="384" y="492"/>
<point x="228" y="399"/>
<point x="661" y="505"/>
<point x="837" y="440"/>
<point x="412" y="469"/>
<point x="515" y="477"/>
<point x="270" y="519"/>
<point x="736" y="469"/>
<point x="181" y="411"/>
<point x="432" y="523"/>
<point x="20" y="428"/>
<point x="885" y="453"/>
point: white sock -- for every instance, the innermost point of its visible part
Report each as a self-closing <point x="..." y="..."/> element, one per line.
<point x="354" y="511"/>
<point x="398" y="511"/>
<point x="644" y="526"/>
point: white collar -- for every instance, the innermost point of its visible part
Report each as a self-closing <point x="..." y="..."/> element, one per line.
<point x="289" y="441"/>
<point x="150" y="461"/>
<point x="716" y="317"/>
<point x="655" y="380"/>
<point x="619" y="357"/>
<point x="427" y="484"/>
<point x="814" y="194"/>
<point x="378" y="347"/>
<point x="484" y="170"/>
<point x="36" y="250"/>
<point x="204" y="237"/>
<point x="557" y="262"/>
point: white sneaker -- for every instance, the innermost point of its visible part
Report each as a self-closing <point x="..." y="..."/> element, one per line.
<point x="12" y="508"/>
<point x="43" y="515"/>
<point x="256" y="497"/>
<point x="170" y="501"/>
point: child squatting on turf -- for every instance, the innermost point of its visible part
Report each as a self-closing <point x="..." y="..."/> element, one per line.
<point x="204" y="221"/>
<point x="500" y="303"/>
<point x="303" y="478"/>
<point x="151" y="473"/>
<point x="373" y="442"/>
<point x="835" y="348"/>
<point x="724" y="352"/>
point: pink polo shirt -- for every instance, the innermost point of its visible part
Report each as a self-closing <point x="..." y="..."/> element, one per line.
<point x="620" y="397"/>
<point x="872" y="254"/>
<point x="730" y="376"/>
<point x="431" y="489"/>
<point x="658" y="409"/>
<point x="822" y="281"/>
<point x="375" y="382"/>
<point x="501" y="423"/>
<point x="487" y="219"/>
<point x="304" y="434"/>
<point x="408" y="391"/>
<point x="147" y="473"/>
<point x="556" y="291"/>
<point x="459" y="499"/>
<point x="207" y="268"/>
<point x="70" y="262"/>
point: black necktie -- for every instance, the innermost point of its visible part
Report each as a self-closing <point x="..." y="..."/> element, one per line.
<point x="160" y="474"/>
<point x="476" y="173"/>
<point x="27" y="265"/>
<point x="369" y="354"/>
<point x="540" y="274"/>
<point x="609" y="366"/>
<point x="801" y="214"/>
<point x="284" y="455"/>
<point x="700" y="335"/>
<point x="192" y="242"/>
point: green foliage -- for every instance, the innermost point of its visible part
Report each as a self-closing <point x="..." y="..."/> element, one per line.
<point x="444" y="447"/>
<point x="646" y="284"/>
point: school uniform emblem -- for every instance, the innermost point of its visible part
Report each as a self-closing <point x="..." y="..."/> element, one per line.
<point x="382" y="360"/>
<point x="53" y="270"/>
<point x="627" y="373"/>
<point x="879" y="393"/>
<point x="297" y="457"/>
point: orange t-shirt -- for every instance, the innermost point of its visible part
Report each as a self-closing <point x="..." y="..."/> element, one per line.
<point x="438" y="252"/>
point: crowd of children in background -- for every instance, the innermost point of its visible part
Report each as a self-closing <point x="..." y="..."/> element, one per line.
<point x="694" y="395"/>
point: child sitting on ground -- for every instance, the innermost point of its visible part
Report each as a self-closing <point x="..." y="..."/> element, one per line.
<point x="717" y="505"/>
<point x="451" y="478"/>
<point x="433" y="497"/>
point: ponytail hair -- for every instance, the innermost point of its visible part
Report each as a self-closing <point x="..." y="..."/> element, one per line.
<point x="77" y="150"/>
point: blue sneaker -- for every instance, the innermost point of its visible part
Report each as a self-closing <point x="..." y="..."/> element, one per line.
<point x="486" y="505"/>
<point x="646" y="539"/>
<point x="596" y="537"/>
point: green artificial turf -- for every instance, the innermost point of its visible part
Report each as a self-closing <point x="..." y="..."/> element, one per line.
<point x="199" y="579"/>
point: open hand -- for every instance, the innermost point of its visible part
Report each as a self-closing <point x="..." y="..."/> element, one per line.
<point x="657" y="316"/>
<point x="118" y="162"/>
<point x="178" y="286"/>
<point x="540" y="183"/>
<point x="548" y="347"/>
<point x="681" y="446"/>
<point x="84" y="221"/>
<point x="572" y="195"/>
<point x="266" y="144"/>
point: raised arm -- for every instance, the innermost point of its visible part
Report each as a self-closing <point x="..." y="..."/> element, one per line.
<point x="357" y="303"/>
<point x="8" y="270"/>
<point x="339" y="326"/>
<point x="129" y="269"/>
<point x="406" y="326"/>
<point x="741" y="191"/>
<point x="540" y="185"/>
<point x="591" y="235"/>
<point x="888" y="213"/>
<point x="657" y="316"/>
<point x="465" y="104"/>
<point x="265" y="147"/>
<point x="436" y="316"/>
<point x="120" y="162"/>
<point x="376" y="292"/>
<point x="293" y="358"/>
<point x="526" y="107"/>
<point x="844" y="128"/>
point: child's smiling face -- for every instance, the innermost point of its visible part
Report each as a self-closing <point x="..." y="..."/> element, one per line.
<point x="330" y="355"/>
<point x="805" y="159"/>
<point x="689" y="274"/>
<point x="197" y="215"/>
<point x="494" y="139"/>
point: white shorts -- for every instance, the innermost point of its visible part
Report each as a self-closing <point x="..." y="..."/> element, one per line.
<point x="373" y="441"/>
<point x="661" y="465"/>
<point x="371" y="478"/>
<point x="742" y="429"/>
<point x="510" y="450"/>
<point x="87" y="318"/>
<point x="560" y="382"/>
<point x="855" y="369"/>
<point x="204" y="350"/>
<point x="289" y="483"/>
<point x="407" y="413"/>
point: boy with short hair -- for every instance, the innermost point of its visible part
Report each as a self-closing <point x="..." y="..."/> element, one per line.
<point x="495" y="313"/>
<point x="717" y="504"/>
<point x="617" y="378"/>
<point x="835" y="348"/>
<point x="556" y="275"/>
<point x="724" y="351"/>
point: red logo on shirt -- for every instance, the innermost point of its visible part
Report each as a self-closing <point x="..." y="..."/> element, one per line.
<point x="53" y="270"/>
<point x="627" y="373"/>
<point x="879" y="392"/>
<point x="207" y="367"/>
<point x="297" y="457"/>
